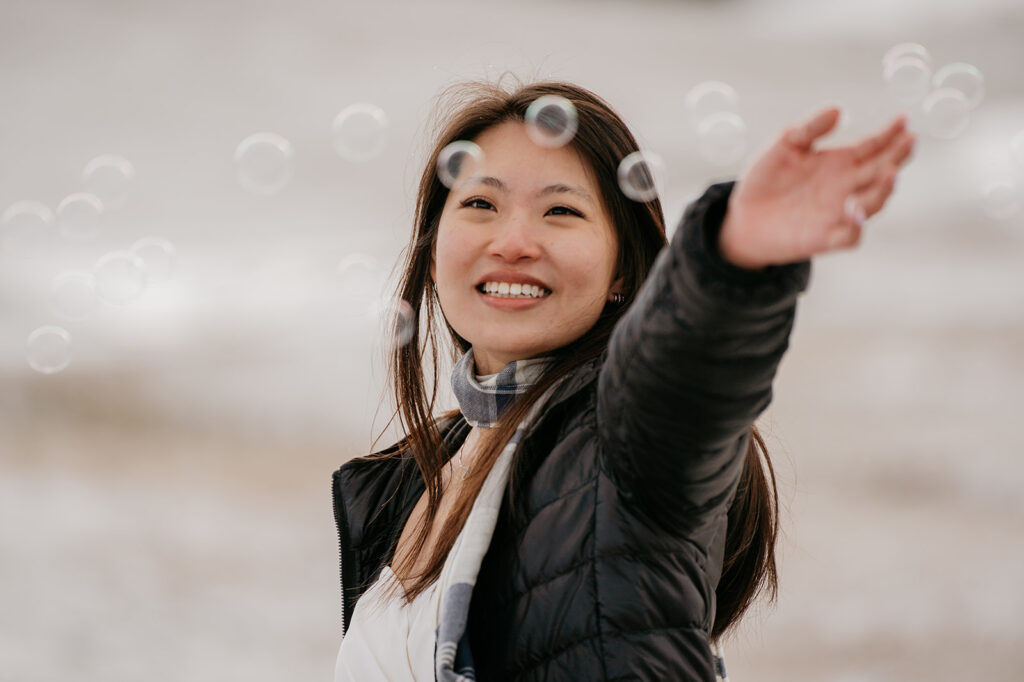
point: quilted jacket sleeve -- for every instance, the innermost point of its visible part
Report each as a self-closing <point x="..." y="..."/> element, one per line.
<point x="689" y="368"/>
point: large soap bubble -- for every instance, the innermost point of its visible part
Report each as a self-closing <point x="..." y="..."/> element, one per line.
<point x="26" y="224"/>
<point x="120" y="277"/>
<point x="110" y="178"/>
<point x="551" y="121"/>
<point x="641" y="175"/>
<point x="710" y="98"/>
<point x="360" y="132"/>
<point x="48" y="349"/>
<point x="947" y="113"/>
<point x="458" y="162"/>
<point x="80" y="216"/>
<point x="264" y="163"/>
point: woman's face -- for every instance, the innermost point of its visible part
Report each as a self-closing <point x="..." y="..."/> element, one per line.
<point x="525" y="253"/>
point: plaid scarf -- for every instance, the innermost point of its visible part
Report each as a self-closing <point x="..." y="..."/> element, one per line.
<point x="482" y="401"/>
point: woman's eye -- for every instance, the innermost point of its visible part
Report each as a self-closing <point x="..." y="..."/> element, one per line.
<point x="565" y="210"/>
<point x="478" y="203"/>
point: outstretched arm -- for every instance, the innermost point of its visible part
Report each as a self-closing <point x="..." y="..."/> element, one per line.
<point x="691" y="364"/>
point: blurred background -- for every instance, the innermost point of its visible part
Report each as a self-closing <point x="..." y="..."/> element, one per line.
<point x="166" y="451"/>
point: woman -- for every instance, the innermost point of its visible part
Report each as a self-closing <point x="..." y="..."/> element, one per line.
<point x="601" y="506"/>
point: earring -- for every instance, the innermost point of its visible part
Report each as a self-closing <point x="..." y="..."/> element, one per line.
<point x="618" y="299"/>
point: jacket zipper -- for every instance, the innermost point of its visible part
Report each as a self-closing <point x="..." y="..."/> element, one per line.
<point x="342" y="524"/>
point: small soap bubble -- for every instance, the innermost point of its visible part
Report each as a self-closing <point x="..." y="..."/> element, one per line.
<point x="80" y="215"/>
<point x="459" y="160"/>
<point x="1001" y="199"/>
<point x="264" y="163"/>
<point x="963" y="77"/>
<point x="398" y="318"/>
<point x="360" y="278"/>
<point x="708" y="99"/>
<point x="25" y="224"/>
<point x="947" y="113"/>
<point x="157" y="257"/>
<point x="551" y="121"/>
<point x="49" y="349"/>
<point x="908" y="79"/>
<point x="722" y="138"/>
<point x="915" y="50"/>
<point x="360" y="132"/>
<point x="1017" y="150"/>
<point x="641" y="175"/>
<point x="109" y="178"/>
<point x="73" y="293"/>
<point x="120" y="277"/>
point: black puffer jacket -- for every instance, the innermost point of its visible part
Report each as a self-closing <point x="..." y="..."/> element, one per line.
<point x="632" y="468"/>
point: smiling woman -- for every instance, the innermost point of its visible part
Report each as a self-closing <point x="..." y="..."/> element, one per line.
<point x="532" y="220"/>
<point x="601" y="505"/>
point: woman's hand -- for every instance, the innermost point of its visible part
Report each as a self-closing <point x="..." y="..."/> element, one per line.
<point x="796" y="201"/>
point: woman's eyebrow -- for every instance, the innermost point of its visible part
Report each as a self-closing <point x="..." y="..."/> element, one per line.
<point x="490" y="182"/>
<point x="557" y="188"/>
<point x="566" y="189"/>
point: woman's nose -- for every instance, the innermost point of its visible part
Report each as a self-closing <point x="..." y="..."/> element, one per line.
<point x="515" y="240"/>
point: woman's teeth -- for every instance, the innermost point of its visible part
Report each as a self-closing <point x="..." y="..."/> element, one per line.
<point x="508" y="290"/>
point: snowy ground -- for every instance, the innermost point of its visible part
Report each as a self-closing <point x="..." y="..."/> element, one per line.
<point x="164" y="504"/>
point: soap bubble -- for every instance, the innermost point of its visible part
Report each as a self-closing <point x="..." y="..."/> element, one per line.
<point x="398" y="318"/>
<point x="1017" y="150"/>
<point x="459" y="160"/>
<point x="360" y="278"/>
<point x="915" y="50"/>
<point x="110" y="179"/>
<point x="120" y="277"/>
<point x="710" y="98"/>
<point x="157" y="257"/>
<point x="641" y="175"/>
<point x="963" y="77"/>
<point x="73" y="293"/>
<point x="722" y="138"/>
<point x="360" y="132"/>
<point x="264" y="163"/>
<point x="80" y="215"/>
<point x="946" y="113"/>
<point x="908" y="79"/>
<point x="551" y="121"/>
<point x="49" y="349"/>
<point x="1001" y="199"/>
<point x="25" y="224"/>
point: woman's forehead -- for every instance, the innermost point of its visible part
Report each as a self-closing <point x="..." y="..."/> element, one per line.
<point x="513" y="162"/>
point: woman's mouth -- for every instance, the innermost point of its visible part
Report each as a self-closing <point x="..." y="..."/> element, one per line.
<point x="512" y="290"/>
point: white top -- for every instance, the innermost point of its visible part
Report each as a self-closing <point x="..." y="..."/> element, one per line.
<point x="389" y="640"/>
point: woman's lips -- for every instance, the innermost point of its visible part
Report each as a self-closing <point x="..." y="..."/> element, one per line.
<point x="511" y="304"/>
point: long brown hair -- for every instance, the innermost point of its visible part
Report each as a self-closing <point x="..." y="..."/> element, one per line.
<point x="602" y="140"/>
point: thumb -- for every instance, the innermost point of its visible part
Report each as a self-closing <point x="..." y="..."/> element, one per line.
<point x="803" y="136"/>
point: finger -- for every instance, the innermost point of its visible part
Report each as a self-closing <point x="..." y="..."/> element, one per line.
<point x="904" y="150"/>
<point x="842" y="237"/>
<point x="803" y="136"/>
<point x="877" y="143"/>
<point x="893" y="157"/>
<point x="847" y="229"/>
<point x="872" y="199"/>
